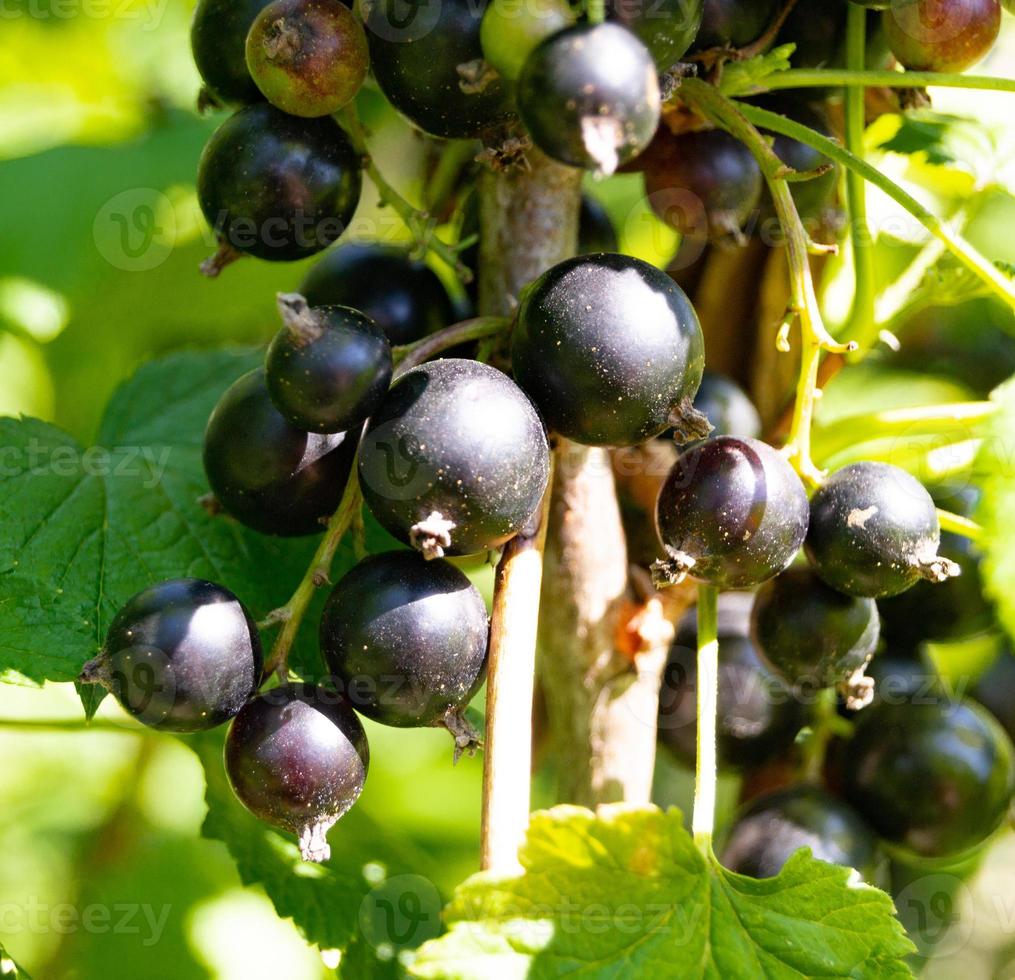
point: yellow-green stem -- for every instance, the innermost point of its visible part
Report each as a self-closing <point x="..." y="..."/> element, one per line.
<point x="957" y="524"/>
<point x="706" y="766"/>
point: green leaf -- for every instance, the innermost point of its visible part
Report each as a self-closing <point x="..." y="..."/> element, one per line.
<point x="83" y="530"/>
<point x="748" y="77"/>
<point x="625" y="892"/>
<point x="938" y="139"/>
<point x="995" y="467"/>
<point x="9" y="970"/>
<point x="363" y="902"/>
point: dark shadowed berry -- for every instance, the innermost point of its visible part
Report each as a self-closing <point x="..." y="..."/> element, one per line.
<point x="610" y="350"/>
<point x="595" y="228"/>
<point x="874" y="532"/>
<point x="428" y="60"/>
<point x="403" y="296"/>
<point x="812" y="635"/>
<point x="218" y="37"/>
<point x="277" y="187"/>
<point x="934" y="778"/>
<point x="733" y="23"/>
<point x="406" y="639"/>
<point x="267" y="474"/>
<point x="731" y="513"/>
<point x="589" y="96"/>
<point x="455" y="460"/>
<point x="726" y="406"/>
<point x="704" y="184"/>
<point x="308" y="57"/>
<point x="772" y="828"/>
<point x="328" y="368"/>
<point x="182" y="656"/>
<point x="996" y="690"/>
<point x="941" y="35"/>
<point x="758" y="717"/>
<point x="665" y="27"/>
<point x="297" y="758"/>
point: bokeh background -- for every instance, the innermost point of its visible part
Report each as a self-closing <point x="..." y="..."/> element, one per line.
<point x="100" y="239"/>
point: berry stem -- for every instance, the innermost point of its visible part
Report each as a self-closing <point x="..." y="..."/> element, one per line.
<point x="478" y="328"/>
<point x="803" y="298"/>
<point x="595" y="10"/>
<point x="994" y="278"/>
<point x="705" y="771"/>
<point x="822" y="728"/>
<point x="507" y="760"/>
<point x="851" y="78"/>
<point x="291" y="614"/>
<point x="861" y="317"/>
<point x="419" y="223"/>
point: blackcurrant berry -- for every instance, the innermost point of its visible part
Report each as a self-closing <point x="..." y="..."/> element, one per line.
<point x="328" y="368"/>
<point x="218" y="37"/>
<point x="874" y="532"/>
<point x="589" y="96"/>
<point x="406" y="640"/>
<point x="772" y="828"/>
<point x="731" y="513"/>
<point x="900" y="676"/>
<point x="704" y="184"/>
<point x="726" y="406"/>
<point x="733" y="23"/>
<point x="182" y="656"/>
<point x="297" y="758"/>
<point x="610" y="350"/>
<point x="267" y="474"/>
<point x="935" y="778"/>
<point x="428" y="60"/>
<point x="511" y="31"/>
<point x="403" y="296"/>
<point x="455" y="460"/>
<point x="814" y="636"/>
<point x="758" y="717"/>
<point x="942" y="35"/>
<point x="308" y="57"/>
<point x="665" y="27"/>
<point x="277" y="187"/>
<point x="595" y="228"/>
<point x="995" y="690"/>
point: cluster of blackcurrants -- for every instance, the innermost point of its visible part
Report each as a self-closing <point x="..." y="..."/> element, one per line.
<point x="922" y="774"/>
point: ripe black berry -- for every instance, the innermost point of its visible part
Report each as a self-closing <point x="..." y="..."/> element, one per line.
<point x="427" y="59"/>
<point x="942" y="35"/>
<point x="297" y="758"/>
<point x="874" y="532"/>
<point x="733" y="23"/>
<point x="328" y="368"/>
<point x="218" y="37"/>
<point x="758" y="717"/>
<point x="665" y="27"/>
<point x="269" y="475"/>
<point x="934" y="777"/>
<point x="610" y="350"/>
<point x="772" y="828"/>
<point x="589" y="96"/>
<point x="731" y="513"/>
<point x="812" y="635"/>
<point x="704" y="184"/>
<point x="182" y="656"/>
<point x="726" y="406"/>
<point x="403" y="296"/>
<point x="308" y="57"/>
<point x="275" y="186"/>
<point x="455" y="460"/>
<point x="406" y="638"/>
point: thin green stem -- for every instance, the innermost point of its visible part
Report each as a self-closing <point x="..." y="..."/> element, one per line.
<point x="419" y="223"/>
<point x="861" y="319"/>
<point x="803" y="297"/>
<point x="705" y="771"/>
<point x="478" y="328"/>
<point x="999" y="283"/>
<point x="595" y="10"/>
<point x="822" y="730"/>
<point x="957" y="524"/>
<point x="822" y="77"/>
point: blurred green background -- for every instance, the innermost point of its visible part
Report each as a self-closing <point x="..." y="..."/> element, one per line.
<point x="100" y="239"/>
